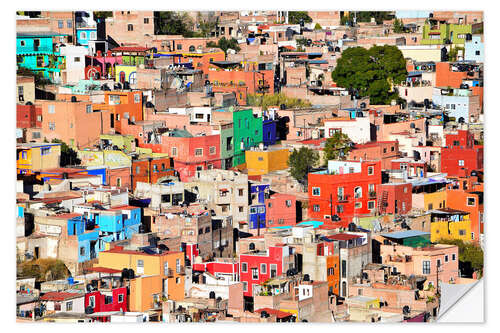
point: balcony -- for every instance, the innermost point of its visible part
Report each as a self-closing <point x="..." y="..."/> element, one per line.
<point x="181" y="270"/>
<point x="169" y="272"/>
<point x="372" y="195"/>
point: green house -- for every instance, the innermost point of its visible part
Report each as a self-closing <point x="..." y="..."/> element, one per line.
<point x="38" y="52"/>
<point x="226" y="132"/>
<point x="247" y="133"/>
<point x="438" y="32"/>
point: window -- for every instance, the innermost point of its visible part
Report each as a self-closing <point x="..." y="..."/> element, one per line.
<point x="130" y="27"/>
<point x="478" y="52"/>
<point x="137" y="170"/>
<point x="179" y="46"/>
<point x="471" y="201"/>
<point x="93" y="35"/>
<point x="108" y="299"/>
<point x="244" y="267"/>
<point x="120" y="298"/>
<point x="392" y="148"/>
<point x="137" y="98"/>
<point x="207" y="229"/>
<point x="429" y="207"/>
<point x="52" y="126"/>
<point x="461" y="232"/>
<point x="118" y="182"/>
<point x="316" y="208"/>
<point x="211" y="150"/>
<point x="288" y="203"/>
<point x="461" y="162"/>
<point x="82" y="251"/>
<point x="77" y="59"/>
<point x="92" y="301"/>
<point x="155" y="168"/>
<point x="358" y="192"/>
<point x="45" y="151"/>
<point x="453" y="257"/>
<point x="446" y="258"/>
<point x="83" y="35"/>
<point x="426" y="267"/>
<point x="198" y="152"/>
<point x="60" y="24"/>
<point x="340" y="209"/>
<point x="52" y="109"/>
<point x="274" y="270"/>
<point x="316" y="191"/>
<point x="69" y="306"/>
<point x="371" y="204"/>
<point x="140" y="266"/>
<point x="358" y="205"/>
<point x="370" y="171"/>
<point x="146" y="20"/>
<point x="240" y="209"/>
<point x="245" y="286"/>
<point x="89" y="108"/>
<point x="471" y="235"/>
<point x="69" y="24"/>
<point x="403" y="206"/>
<point x="260" y="158"/>
<point x="263" y="268"/>
<point x="240" y="192"/>
<point x="174" y="151"/>
<point x="405" y="190"/>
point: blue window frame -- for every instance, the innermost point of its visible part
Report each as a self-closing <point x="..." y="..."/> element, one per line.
<point x="45" y="151"/>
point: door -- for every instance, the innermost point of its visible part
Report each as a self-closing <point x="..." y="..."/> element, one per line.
<point x="395" y="206"/>
<point x="122" y="77"/>
<point x="112" y="120"/>
<point x="37" y="252"/>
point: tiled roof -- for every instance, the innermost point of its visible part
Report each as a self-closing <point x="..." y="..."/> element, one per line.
<point x="59" y="296"/>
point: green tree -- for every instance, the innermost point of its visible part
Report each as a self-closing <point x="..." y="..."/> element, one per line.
<point x="296" y="17"/>
<point x="206" y="26"/>
<point x="371" y="72"/>
<point x="276" y="99"/>
<point x="398" y="26"/>
<point x="337" y="147"/>
<point x="173" y="23"/>
<point x="68" y="155"/>
<point x="103" y="14"/>
<point x="301" y="162"/>
<point x="40" y="81"/>
<point x="317" y="26"/>
<point x="225" y="44"/>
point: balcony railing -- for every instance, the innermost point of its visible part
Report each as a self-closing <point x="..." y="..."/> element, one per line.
<point x="372" y="195"/>
<point x="342" y="198"/>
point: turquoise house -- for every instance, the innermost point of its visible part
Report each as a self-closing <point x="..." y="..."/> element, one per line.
<point x="86" y="34"/>
<point x="37" y="52"/>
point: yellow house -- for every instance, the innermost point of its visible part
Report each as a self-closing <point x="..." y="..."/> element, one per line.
<point x="429" y="201"/>
<point x="168" y="265"/>
<point x="260" y="162"/>
<point x="146" y="293"/>
<point x="32" y="157"/>
<point x="126" y="73"/>
<point x="450" y="224"/>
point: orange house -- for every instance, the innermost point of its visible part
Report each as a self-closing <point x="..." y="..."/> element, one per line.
<point x="79" y="124"/>
<point x="122" y="104"/>
<point x="471" y="202"/>
<point x="445" y="77"/>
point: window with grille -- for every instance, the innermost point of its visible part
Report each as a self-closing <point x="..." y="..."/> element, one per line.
<point x="316" y="191"/>
<point x="244" y="267"/>
<point x="255" y="273"/>
<point x="174" y="151"/>
<point x="212" y="150"/>
<point x="263" y="269"/>
<point x="426" y="267"/>
<point x="198" y="152"/>
<point x="316" y="208"/>
<point x="69" y="306"/>
<point x="130" y="27"/>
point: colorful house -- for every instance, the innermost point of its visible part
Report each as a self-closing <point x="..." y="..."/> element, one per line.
<point x="460" y="156"/>
<point x="36" y="51"/>
<point x="281" y="210"/>
<point x="438" y="32"/>
<point x="262" y="161"/>
<point x="33" y="157"/>
<point x="346" y="189"/>
<point x="258" y="193"/>
<point x="449" y="223"/>
<point x="247" y="133"/>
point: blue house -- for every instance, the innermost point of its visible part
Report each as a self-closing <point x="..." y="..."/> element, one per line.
<point x="120" y="223"/>
<point x="38" y="52"/>
<point x="86" y="34"/>
<point x="259" y="193"/>
<point x="474" y="49"/>
<point x="89" y="244"/>
<point x="269" y="132"/>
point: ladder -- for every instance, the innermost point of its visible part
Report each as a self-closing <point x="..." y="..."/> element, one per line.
<point x="382" y="203"/>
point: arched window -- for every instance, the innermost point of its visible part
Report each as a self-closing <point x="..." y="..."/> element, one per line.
<point x="358" y="192"/>
<point x="192" y="48"/>
<point x="132" y="79"/>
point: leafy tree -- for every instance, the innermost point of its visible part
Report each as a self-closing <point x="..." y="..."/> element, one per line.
<point x="206" y="26"/>
<point x="366" y="16"/>
<point x="40" y="81"/>
<point x="43" y="270"/>
<point x="103" y="14"/>
<point x="297" y="17"/>
<point x="225" y="44"/>
<point x="337" y="147"/>
<point x="68" y="155"/>
<point x="276" y="99"/>
<point x="398" y="26"/>
<point x="300" y="162"/>
<point x="173" y="23"/>
<point x="317" y="26"/>
<point x="371" y="72"/>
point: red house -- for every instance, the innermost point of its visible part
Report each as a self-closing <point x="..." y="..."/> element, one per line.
<point x="259" y="266"/>
<point x="394" y="198"/>
<point x="460" y="156"/>
<point x="281" y="210"/>
<point x="28" y="116"/>
<point x="414" y="168"/>
<point x="190" y="153"/>
<point x="217" y="269"/>
<point x="385" y="151"/>
<point x="150" y="170"/>
<point x="346" y="189"/>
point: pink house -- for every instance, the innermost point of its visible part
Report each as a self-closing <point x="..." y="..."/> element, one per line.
<point x="437" y="262"/>
<point x="281" y="210"/>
